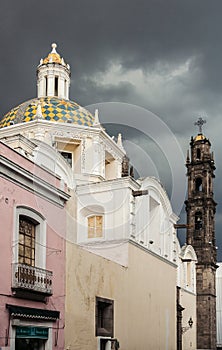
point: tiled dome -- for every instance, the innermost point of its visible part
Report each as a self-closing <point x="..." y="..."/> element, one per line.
<point x="52" y="109"/>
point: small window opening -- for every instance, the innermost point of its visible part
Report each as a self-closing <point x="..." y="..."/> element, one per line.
<point x="189" y="273"/>
<point x="46" y="86"/>
<point x="65" y="84"/>
<point x="68" y="157"/>
<point x="104" y="317"/>
<point x="56" y="85"/>
<point x="210" y="190"/>
<point x="198" y="184"/>
<point x="198" y="220"/>
<point x="95" y="226"/>
<point x="198" y="153"/>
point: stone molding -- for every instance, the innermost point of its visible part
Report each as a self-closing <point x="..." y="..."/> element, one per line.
<point x="24" y="178"/>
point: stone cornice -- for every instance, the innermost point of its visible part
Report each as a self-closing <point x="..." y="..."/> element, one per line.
<point x="113" y="243"/>
<point x="154" y="184"/>
<point x="30" y="182"/>
<point x="64" y="130"/>
<point x="152" y="253"/>
<point x="116" y="184"/>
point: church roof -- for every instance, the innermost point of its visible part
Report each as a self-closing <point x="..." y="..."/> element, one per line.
<point x="52" y="109"/>
<point x="199" y="137"/>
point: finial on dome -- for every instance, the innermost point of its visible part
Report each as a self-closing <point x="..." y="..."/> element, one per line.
<point x="96" y="120"/>
<point x="120" y="142"/>
<point x="39" y="111"/>
<point x="54" y="46"/>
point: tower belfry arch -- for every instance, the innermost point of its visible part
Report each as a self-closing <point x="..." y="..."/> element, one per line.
<point x="201" y="209"/>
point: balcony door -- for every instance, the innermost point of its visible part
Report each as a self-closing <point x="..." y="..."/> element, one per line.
<point x="26" y="241"/>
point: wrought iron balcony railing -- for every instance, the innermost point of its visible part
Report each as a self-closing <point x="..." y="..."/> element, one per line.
<point x="31" y="278"/>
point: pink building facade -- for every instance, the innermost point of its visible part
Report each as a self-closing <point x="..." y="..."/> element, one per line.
<point x="32" y="259"/>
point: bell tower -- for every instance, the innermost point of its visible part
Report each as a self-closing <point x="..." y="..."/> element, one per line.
<point x="201" y="208"/>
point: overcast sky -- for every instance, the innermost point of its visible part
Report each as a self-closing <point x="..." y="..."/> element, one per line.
<point x="163" y="56"/>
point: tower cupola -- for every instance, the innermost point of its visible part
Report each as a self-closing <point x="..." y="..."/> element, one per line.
<point x="53" y="76"/>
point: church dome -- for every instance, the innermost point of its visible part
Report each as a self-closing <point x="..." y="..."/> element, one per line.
<point x="199" y="137"/>
<point x="48" y="108"/>
<point x="53" y="56"/>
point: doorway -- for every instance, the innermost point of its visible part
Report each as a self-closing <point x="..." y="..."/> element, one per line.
<point x="29" y="344"/>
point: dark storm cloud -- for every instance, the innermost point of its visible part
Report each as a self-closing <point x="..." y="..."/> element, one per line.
<point x="93" y="91"/>
<point x="175" y="44"/>
<point x="91" y="34"/>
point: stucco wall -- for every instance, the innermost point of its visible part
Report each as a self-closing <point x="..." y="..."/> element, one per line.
<point x="188" y="301"/>
<point x="144" y="297"/>
<point x="13" y="195"/>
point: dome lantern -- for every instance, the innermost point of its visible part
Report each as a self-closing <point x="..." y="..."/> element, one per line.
<point x="53" y="76"/>
<point x="52" y="103"/>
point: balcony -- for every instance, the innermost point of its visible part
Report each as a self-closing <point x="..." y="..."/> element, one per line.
<point x="31" y="280"/>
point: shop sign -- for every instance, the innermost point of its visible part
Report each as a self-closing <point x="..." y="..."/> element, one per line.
<point x="32" y="332"/>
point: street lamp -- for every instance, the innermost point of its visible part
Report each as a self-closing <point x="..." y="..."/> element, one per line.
<point x="190" y="324"/>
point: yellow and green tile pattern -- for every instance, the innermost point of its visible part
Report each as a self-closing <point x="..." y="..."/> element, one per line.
<point x="53" y="109"/>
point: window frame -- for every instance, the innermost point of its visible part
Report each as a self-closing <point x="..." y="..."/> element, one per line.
<point x="198" y="220"/>
<point x="40" y="235"/>
<point x="27" y="237"/>
<point x="198" y="153"/>
<point x="95" y="227"/>
<point x="104" y="326"/>
<point x="56" y="86"/>
<point x="198" y="184"/>
<point x="63" y="153"/>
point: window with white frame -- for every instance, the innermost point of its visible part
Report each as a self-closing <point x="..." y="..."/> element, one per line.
<point x="29" y="238"/>
<point x="189" y="273"/>
<point x="68" y="157"/>
<point x="95" y="226"/>
<point x="26" y="251"/>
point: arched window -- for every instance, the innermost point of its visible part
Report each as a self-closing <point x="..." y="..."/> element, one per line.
<point x="198" y="220"/>
<point x="198" y="184"/>
<point x="56" y="85"/>
<point x="46" y="86"/>
<point x="210" y="190"/>
<point x="189" y="273"/>
<point x="198" y="153"/>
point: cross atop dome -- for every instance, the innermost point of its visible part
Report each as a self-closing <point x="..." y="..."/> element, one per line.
<point x="200" y="122"/>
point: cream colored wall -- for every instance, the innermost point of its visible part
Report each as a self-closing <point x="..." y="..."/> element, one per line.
<point x="188" y="301"/>
<point x="144" y="297"/>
